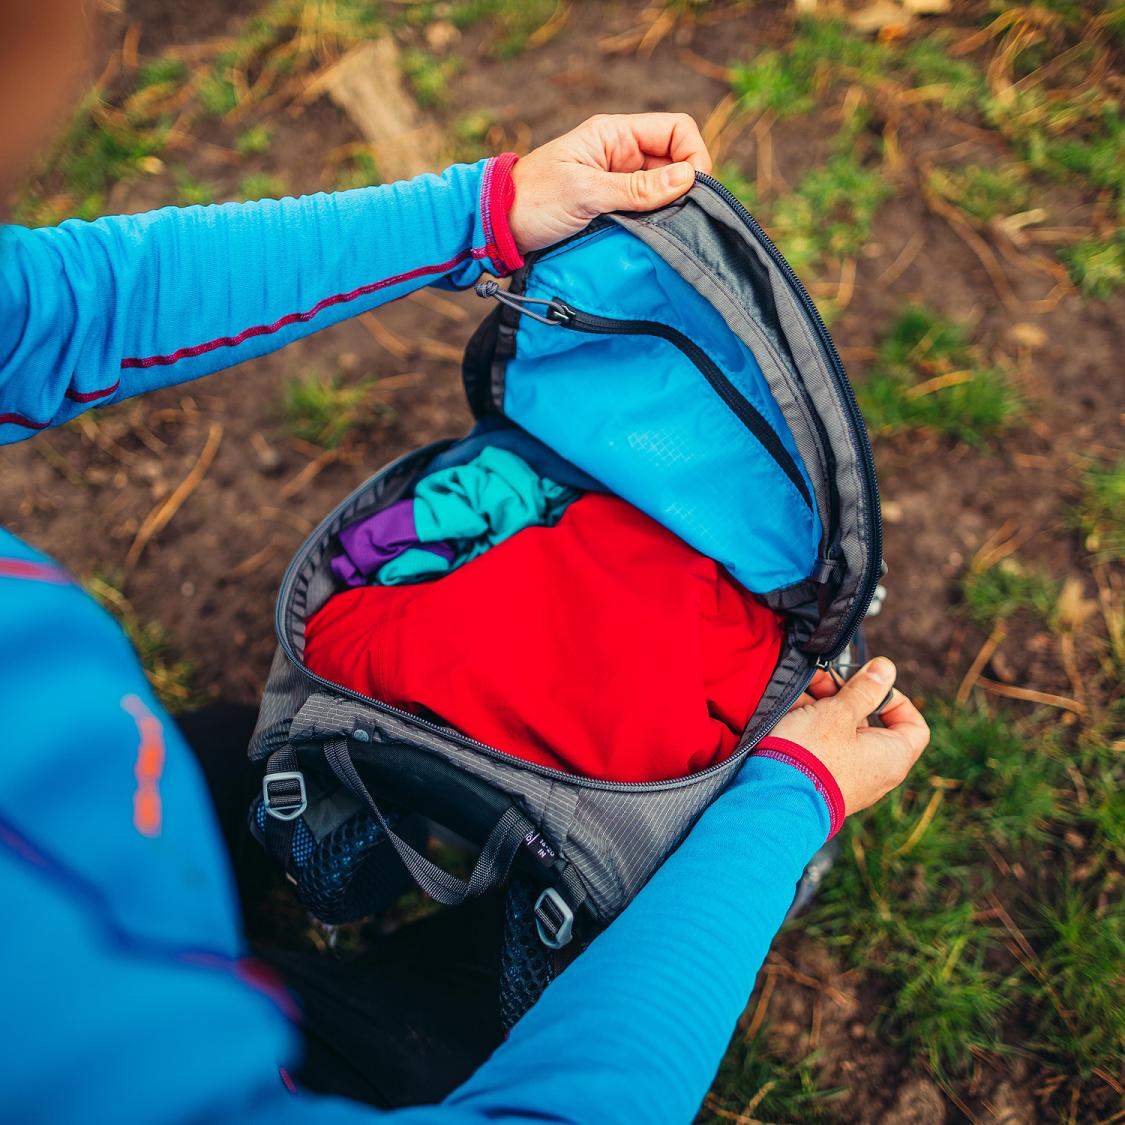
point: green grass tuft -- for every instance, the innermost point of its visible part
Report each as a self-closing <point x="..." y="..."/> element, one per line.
<point x="162" y="72"/>
<point x="262" y="185"/>
<point x="217" y="94"/>
<point x="982" y="192"/>
<point x="1008" y="589"/>
<point x="755" y="1082"/>
<point x="172" y="677"/>
<point x="254" y="141"/>
<point x="190" y="191"/>
<point x="1101" y="513"/>
<point x="325" y="410"/>
<point x="828" y="216"/>
<point x="1078" y="1000"/>
<point x="430" y="76"/>
<point x="905" y="389"/>
<point x="359" y="170"/>
<point x="1097" y="267"/>
<point x="513" y="21"/>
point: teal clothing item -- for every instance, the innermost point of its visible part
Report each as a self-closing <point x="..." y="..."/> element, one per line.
<point x="473" y="507"/>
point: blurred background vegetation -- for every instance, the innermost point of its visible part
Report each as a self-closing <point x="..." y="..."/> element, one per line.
<point x="949" y="180"/>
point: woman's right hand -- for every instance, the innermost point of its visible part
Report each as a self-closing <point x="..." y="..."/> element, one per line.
<point x="867" y="762"/>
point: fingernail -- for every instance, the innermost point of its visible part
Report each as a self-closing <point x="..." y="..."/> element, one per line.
<point x="678" y="175"/>
<point x="881" y="670"/>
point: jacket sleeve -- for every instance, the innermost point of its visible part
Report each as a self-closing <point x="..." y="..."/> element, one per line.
<point x="123" y="966"/>
<point x="92" y="313"/>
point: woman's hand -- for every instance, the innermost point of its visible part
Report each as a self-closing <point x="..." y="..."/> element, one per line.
<point x="867" y="762"/>
<point x="612" y="162"/>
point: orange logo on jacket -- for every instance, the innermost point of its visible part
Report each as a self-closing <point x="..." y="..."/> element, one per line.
<point x="147" y="811"/>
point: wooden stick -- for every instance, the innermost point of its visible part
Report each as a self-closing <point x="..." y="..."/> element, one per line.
<point x="385" y="338"/>
<point x="705" y="67"/>
<point x="162" y="514"/>
<point x="248" y="566"/>
<point x="1030" y="695"/>
<point x="762" y="1006"/>
<point x="939" y="383"/>
<point x="919" y="829"/>
<point x="730" y="1115"/>
<point x="307" y="474"/>
<point x="904" y="260"/>
<point x="441" y="305"/>
<point x="999" y="631"/>
<point x="846" y="288"/>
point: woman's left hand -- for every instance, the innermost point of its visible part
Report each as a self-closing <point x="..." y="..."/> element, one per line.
<point x="611" y="162"/>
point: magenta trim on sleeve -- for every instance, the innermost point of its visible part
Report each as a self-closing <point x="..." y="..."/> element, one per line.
<point x="35" y="571"/>
<point x="497" y="194"/>
<point x="295" y="317"/>
<point x="91" y="396"/>
<point x="782" y="750"/>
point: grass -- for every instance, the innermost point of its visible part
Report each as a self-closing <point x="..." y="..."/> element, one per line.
<point x="124" y="130"/>
<point x="983" y="192"/>
<point x="1097" y="267"/>
<point x="1060" y="128"/>
<point x="909" y="904"/>
<point x="513" y="22"/>
<point x="430" y="76"/>
<point x="828" y="216"/>
<point x="755" y="1083"/>
<point x="357" y="170"/>
<point x="1008" y="589"/>
<point x="262" y="185"/>
<point x="172" y="677"/>
<point x="326" y="410"/>
<point x="927" y="375"/>
<point x="1101" y="513"/>
<point x="254" y="141"/>
<point x="190" y="191"/>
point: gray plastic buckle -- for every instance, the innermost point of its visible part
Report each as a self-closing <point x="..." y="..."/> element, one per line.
<point x="285" y="813"/>
<point x="550" y="902"/>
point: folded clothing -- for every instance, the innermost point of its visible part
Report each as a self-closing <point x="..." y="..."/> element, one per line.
<point x="455" y="514"/>
<point x="496" y="432"/>
<point x="604" y="646"/>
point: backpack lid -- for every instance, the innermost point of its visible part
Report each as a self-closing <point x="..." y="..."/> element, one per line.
<point x="675" y="356"/>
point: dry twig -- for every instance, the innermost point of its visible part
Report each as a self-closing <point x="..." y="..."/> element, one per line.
<point x="162" y="514"/>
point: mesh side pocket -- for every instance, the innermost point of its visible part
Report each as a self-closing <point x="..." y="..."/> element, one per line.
<point x="354" y="871"/>
<point x="526" y="965"/>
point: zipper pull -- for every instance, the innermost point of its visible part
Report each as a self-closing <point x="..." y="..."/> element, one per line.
<point x="557" y="312"/>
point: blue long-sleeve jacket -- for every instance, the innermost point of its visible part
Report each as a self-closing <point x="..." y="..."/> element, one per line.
<point x="121" y="958"/>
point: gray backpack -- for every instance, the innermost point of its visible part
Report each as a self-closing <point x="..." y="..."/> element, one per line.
<point x="675" y="357"/>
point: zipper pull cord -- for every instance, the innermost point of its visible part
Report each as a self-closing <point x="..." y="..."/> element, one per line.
<point x="486" y="289"/>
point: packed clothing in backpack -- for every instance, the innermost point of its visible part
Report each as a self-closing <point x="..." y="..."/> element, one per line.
<point x="560" y="636"/>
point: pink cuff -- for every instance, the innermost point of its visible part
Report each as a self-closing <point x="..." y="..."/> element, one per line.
<point x="497" y="194"/>
<point x="782" y="750"/>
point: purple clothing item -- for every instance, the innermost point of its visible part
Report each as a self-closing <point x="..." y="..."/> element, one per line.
<point x="379" y="539"/>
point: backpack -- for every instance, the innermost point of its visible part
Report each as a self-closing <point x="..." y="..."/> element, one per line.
<point x="675" y="357"/>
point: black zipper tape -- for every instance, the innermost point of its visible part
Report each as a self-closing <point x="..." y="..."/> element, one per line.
<point x="860" y="441"/>
<point x="559" y="312"/>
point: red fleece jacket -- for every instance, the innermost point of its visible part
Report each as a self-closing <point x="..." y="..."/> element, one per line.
<point x="604" y="646"/>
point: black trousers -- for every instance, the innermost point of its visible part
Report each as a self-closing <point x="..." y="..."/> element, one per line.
<point x="402" y="1023"/>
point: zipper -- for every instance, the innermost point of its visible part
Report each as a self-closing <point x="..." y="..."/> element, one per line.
<point x="875" y="522"/>
<point x="323" y="529"/>
<point x="558" y="312"/>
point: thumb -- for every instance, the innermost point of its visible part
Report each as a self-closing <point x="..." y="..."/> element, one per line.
<point x="642" y="190"/>
<point x="867" y="689"/>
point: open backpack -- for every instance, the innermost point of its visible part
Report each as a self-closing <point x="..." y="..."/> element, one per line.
<point x="676" y="358"/>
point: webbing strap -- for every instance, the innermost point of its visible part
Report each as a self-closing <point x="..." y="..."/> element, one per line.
<point x="491" y="866"/>
<point x="278" y="834"/>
